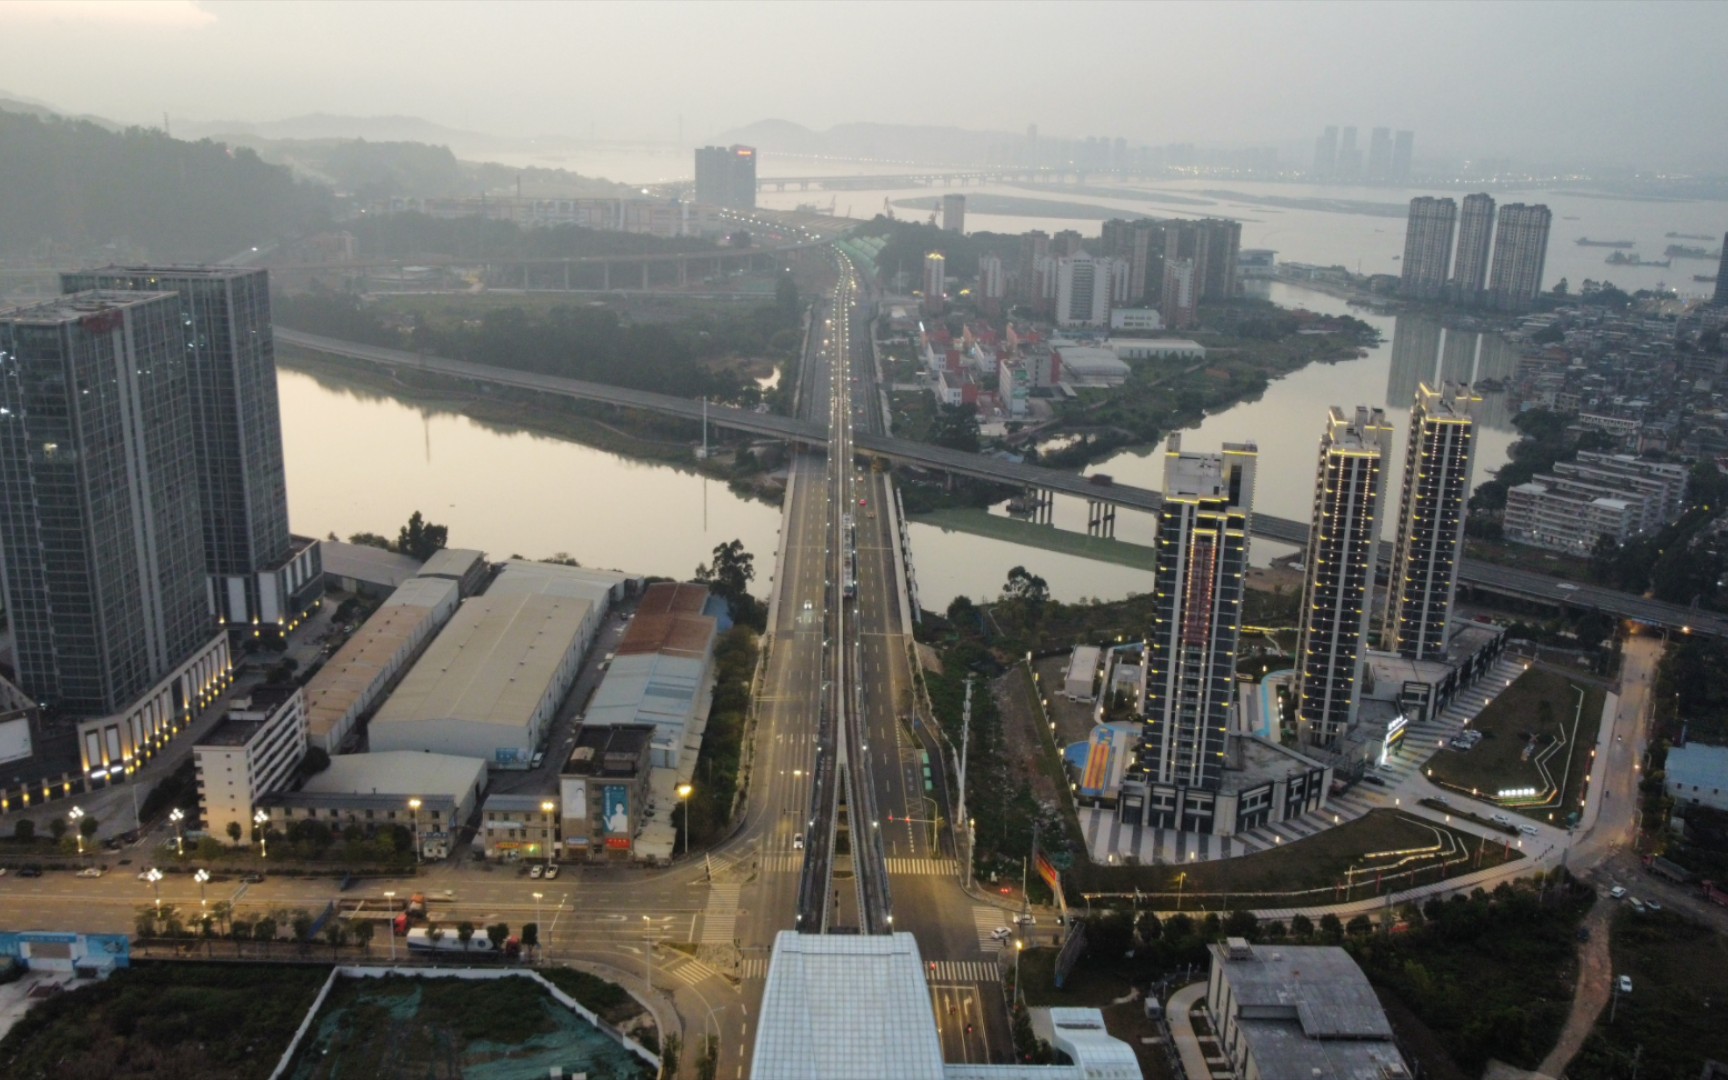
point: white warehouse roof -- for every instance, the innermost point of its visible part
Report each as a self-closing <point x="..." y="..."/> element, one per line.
<point x="400" y="772"/>
<point x="492" y="665"/>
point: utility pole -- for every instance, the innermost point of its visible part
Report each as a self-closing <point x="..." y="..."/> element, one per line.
<point x="965" y="822"/>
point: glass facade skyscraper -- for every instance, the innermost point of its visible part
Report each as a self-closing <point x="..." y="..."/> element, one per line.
<point x="99" y="513"/>
<point x="230" y="362"/>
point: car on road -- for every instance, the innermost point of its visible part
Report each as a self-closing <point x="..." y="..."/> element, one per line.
<point x="90" y="871"/>
<point x="797" y="841"/>
<point x="1617" y="892"/>
<point x="1001" y="933"/>
<point x="1623" y="984"/>
<point x="551" y="871"/>
<point x="536" y="871"/>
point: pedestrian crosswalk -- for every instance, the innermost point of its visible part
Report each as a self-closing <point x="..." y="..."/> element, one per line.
<point x="962" y="971"/>
<point x="924" y="867"/>
<point x="688" y="972"/>
<point x="720" y="916"/>
<point x="985" y="921"/>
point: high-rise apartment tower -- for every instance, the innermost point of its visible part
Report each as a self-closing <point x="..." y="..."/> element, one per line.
<point x="1475" y="238"/>
<point x="1424" y="569"/>
<point x="100" y="535"/>
<point x="726" y="176"/>
<point x="1189" y="689"/>
<point x="1520" y="251"/>
<point x="1343" y="545"/>
<point x="237" y="432"/>
<point x="1428" y="246"/>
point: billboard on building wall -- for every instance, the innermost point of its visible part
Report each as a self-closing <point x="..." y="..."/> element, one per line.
<point x="615" y="808"/>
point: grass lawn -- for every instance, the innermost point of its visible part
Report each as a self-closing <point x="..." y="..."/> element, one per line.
<point x="161" y="1019"/>
<point x="1509" y="724"/>
<point x="1679" y="973"/>
<point x="1321" y="862"/>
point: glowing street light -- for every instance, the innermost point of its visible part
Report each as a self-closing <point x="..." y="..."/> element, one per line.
<point x="546" y="808"/>
<point x="684" y="793"/>
<point x="414" y="807"/>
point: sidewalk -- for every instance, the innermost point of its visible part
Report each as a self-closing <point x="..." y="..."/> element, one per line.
<point x="1176" y="1012"/>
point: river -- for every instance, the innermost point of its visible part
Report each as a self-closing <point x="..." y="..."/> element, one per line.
<point x="517" y="492"/>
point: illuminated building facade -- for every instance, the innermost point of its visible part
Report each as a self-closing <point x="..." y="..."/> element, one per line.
<point x="1188" y="684"/>
<point x="1424" y="571"/>
<point x="1343" y="543"/>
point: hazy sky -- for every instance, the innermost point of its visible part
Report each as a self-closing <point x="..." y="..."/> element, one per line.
<point x="1555" y="81"/>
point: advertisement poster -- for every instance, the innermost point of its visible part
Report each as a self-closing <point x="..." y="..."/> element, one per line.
<point x="617" y="810"/>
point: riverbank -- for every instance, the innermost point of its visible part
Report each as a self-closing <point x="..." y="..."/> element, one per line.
<point x="644" y="440"/>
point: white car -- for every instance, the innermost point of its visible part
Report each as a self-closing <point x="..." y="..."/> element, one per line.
<point x="1001" y="933"/>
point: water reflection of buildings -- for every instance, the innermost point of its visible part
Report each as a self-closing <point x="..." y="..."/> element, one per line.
<point x="1425" y="351"/>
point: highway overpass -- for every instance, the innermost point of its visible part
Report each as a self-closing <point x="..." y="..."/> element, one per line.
<point x="1032" y="478"/>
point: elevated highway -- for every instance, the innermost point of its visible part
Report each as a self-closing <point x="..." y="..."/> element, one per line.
<point x="1032" y="478"/>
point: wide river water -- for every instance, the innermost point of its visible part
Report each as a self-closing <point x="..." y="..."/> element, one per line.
<point x="515" y="492"/>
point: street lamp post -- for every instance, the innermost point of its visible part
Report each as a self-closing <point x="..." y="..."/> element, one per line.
<point x="1019" y="947"/>
<point x="390" y="898"/>
<point x="262" y="820"/>
<point x="546" y="808"/>
<point x="201" y="877"/>
<point x="414" y="808"/>
<point x="178" y="815"/>
<point x="76" y="815"/>
<point x="684" y="791"/>
<point x="539" y="926"/>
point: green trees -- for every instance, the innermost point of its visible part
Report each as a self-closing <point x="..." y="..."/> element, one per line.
<point x="73" y="185"/>
<point x="420" y="538"/>
<point x="729" y="575"/>
<point x="956" y="427"/>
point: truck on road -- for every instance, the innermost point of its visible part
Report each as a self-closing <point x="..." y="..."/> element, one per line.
<point x="1661" y="867"/>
